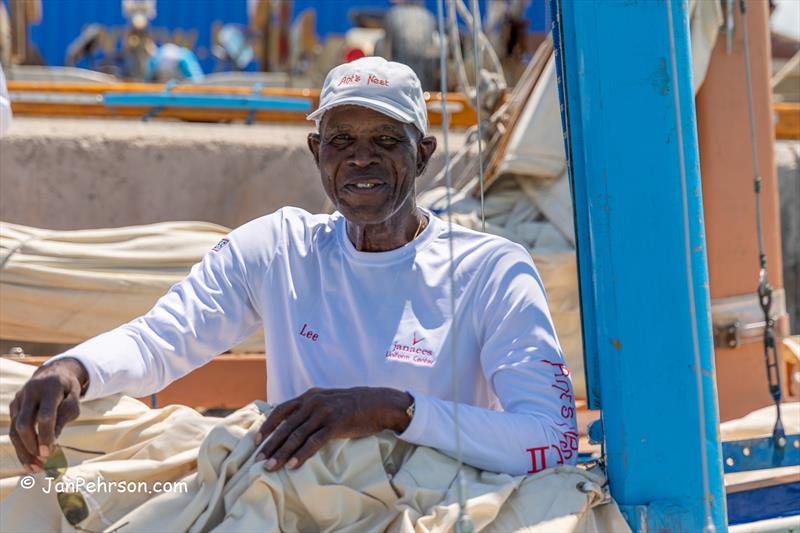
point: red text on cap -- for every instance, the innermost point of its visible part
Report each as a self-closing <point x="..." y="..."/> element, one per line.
<point x="348" y="80"/>
<point x="374" y="80"/>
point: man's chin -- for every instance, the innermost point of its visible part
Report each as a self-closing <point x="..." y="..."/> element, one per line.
<point x="364" y="215"/>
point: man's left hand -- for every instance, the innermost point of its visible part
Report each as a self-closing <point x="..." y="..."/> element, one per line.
<point x="297" y="429"/>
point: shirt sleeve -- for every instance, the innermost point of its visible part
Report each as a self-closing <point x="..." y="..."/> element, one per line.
<point x="203" y="315"/>
<point x="5" y="105"/>
<point x="523" y="363"/>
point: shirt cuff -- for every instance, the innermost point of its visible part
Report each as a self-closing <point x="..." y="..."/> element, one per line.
<point x="416" y="428"/>
<point x="94" y="390"/>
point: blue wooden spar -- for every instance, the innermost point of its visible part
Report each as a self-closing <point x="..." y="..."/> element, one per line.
<point x="208" y="101"/>
<point x="642" y="257"/>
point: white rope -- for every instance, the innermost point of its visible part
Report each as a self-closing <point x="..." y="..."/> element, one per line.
<point x="709" y="525"/>
<point x="455" y="48"/>
<point x="477" y="64"/>
<point x="463" y="524"/>
<point x="481" y="37"/>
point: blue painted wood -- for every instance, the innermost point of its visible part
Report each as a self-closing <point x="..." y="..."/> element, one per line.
<point x="642" y="258"/>
<point x="574" y="144"/>
<point x="764" y="503"/>
<point x="207" y="101"/>
<point x="760" y="454"/>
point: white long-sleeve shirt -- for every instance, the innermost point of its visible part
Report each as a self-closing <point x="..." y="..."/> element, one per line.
<point x="5" y="105"/>
<point x="334" y="316"/>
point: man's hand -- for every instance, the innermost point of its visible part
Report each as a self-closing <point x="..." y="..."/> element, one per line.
<point x="297" y="429"/>
<point x="42" y="407"/>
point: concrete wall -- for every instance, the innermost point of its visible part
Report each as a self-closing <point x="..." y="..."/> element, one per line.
<point x="75" y="174"/>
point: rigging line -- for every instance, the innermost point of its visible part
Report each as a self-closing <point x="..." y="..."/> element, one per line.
<point x="460" y="482"/>
<point x="764" y="288"/>
<point x="455" y="46"/>
<point x="483" y="39"/>
<point x="709" y="525"/>
<point x="753" y="142"/>
<point x="476" y="15"/>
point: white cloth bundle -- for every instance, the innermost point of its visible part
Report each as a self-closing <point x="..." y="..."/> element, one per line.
<point x="376" y="483"/>
<point x="68" y="286"/>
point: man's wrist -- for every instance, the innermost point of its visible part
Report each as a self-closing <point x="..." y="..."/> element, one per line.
<point x="77" y="369"/>
<point x="398" y="418"/>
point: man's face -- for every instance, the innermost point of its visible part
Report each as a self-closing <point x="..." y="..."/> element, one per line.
<point x="368" y="162"/>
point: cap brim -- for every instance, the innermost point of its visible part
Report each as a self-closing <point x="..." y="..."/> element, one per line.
<point x="376" y="105"/>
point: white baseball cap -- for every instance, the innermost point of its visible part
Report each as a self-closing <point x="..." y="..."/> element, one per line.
<point x="384" y="86"/>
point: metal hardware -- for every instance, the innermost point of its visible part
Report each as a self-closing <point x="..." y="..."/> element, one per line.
<point x="765" y="292"/>
<point x="759" y="454"/>
<point x="251" y="115"/>
<point x="740" y="319"/>
<point x="729" y="26"/>
<point x="726" y="335"/>
<point x="17" y="352"/>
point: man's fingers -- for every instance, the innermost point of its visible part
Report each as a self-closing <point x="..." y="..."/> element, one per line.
<point x="24" y="425"/>
<point x="46" y="421"/>
<point x="293" y="443"/>
<point x="68" y="411"/>
<point x="275" y="418"/>
<point x="25" y="458"/>
<point x="312" y="445"/>
<point x="279" y="436"/>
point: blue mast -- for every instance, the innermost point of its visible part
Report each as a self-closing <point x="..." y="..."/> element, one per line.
<point x="629" y="117"/>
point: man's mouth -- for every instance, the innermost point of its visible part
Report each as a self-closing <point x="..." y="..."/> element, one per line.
<point x="365" y="186"/>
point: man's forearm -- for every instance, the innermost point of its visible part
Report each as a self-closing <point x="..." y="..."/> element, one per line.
<point x="506" y="442"/>
<point x="112" y="362"/>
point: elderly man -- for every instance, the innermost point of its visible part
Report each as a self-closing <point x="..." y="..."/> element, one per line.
<point x="361" y="320"/>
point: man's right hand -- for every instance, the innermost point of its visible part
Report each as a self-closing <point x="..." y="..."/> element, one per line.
<point x="42" y="407"/>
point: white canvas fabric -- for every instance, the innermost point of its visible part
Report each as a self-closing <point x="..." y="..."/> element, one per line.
<point x="67" y="286"/>
<point x="377" y="483"/>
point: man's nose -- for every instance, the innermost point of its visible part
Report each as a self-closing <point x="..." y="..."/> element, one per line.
<point x="363" y="154"/>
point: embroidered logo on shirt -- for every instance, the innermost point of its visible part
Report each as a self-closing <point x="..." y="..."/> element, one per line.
<point x="220" y="245"/>
<point x="414" y="354"/>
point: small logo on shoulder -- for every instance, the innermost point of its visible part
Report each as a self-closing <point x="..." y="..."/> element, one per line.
<point x="220" y="245"/>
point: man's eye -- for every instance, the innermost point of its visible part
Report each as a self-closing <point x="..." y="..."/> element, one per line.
<point x="387" y="139"/>
<point x="341" y="137"/>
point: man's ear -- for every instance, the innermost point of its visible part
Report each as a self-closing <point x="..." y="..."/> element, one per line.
<point x="313" y="145"/>
<point x="425" y="149"/>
